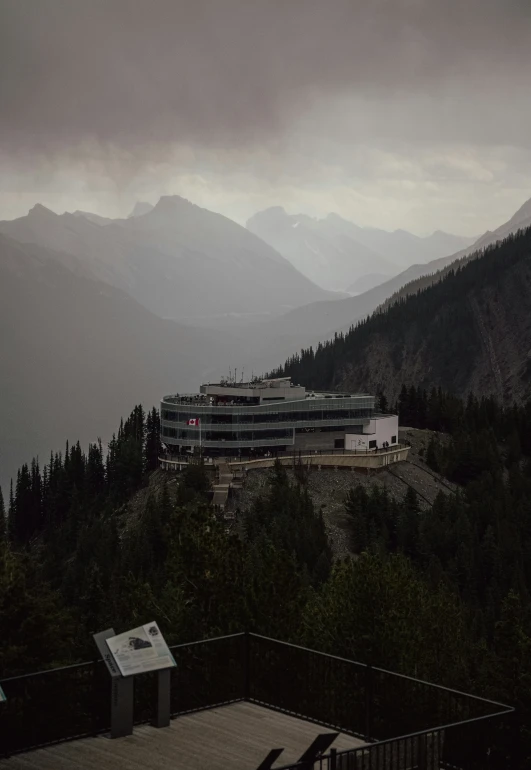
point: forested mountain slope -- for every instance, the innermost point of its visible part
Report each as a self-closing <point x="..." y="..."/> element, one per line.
<point x="320" y="320"/>
<point x="440" y="267"/>
<point x="469" y="332"/>
<point x="439" y="592"/>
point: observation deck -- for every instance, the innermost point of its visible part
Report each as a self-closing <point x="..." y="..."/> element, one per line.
<point x="235" y="698"/>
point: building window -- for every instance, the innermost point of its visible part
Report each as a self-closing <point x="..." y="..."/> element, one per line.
<point x="339" y="443"/>
<point x="393" y="439"/>
<point x="372" y="444"/>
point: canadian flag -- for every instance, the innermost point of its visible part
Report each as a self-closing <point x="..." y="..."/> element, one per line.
<point x="193" y="421"/>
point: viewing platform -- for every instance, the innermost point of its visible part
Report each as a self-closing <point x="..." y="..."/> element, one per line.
<point x="371" y="459"/>
<point x="340" y="459"/>
<point x="237" y="736"/>
<point x="236" y="698"/>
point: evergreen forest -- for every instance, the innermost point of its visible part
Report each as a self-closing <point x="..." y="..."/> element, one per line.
<point x="96" y="538"/>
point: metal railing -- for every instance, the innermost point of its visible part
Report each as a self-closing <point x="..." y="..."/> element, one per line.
<point x="74" y="701"/>
<point x="221" y="444"/>
<point x="295" y="454"/>
<point x="246" y="425"/>
<point x="396" y="714"/>
<point x="408" y="724"/>
<point x="300" y="454"/>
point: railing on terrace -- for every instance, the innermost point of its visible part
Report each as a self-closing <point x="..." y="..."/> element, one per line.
<point x="409" y="724"/>
<point x="242" y="425"/>
<point x="295" y="454"/>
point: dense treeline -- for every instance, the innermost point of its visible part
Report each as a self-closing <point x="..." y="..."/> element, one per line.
<point x="483" y="433"/>
<point x="439" y="317"/>
<point x="440" y="593"/>
<point x="88" y="543"/>
<point x="474" y="544"/>
<point x="59" y="540"/>
<point x="74" y="486"/>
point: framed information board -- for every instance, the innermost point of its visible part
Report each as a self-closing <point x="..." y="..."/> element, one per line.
<point x="139" y="650"/>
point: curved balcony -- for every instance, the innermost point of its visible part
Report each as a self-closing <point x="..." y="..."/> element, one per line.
<point x="258" y="426"/>
<point x="243" y="444"/>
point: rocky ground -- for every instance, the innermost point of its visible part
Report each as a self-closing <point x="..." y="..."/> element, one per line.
<point x="329" y="488"/>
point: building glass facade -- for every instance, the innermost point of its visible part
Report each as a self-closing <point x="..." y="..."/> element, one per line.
<point x="230" y="423"/>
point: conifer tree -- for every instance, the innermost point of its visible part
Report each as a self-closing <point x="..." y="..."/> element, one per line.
<point x="2" y="517"/>
<point x="94" y="472"/>
<point x="431" y="455"/>
<point x="152" y="447"/>
<point x="408" y="523"/>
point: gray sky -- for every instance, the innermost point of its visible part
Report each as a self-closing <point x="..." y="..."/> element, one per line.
<point x="394" y="113"/>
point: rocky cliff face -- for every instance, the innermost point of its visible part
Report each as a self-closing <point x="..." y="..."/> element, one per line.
<point x="489" y="354"/>
<point x="469" y="332"/>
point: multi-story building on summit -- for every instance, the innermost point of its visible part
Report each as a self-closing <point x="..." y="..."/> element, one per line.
<point x="273" y="415"/>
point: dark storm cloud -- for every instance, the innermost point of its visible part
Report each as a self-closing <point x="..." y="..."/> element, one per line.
<point x="223" y="73"/>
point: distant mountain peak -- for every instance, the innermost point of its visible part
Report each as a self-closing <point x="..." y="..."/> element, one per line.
<point x="41" y="211"/>
<point x="172" y="200"/>
<point x="337" y="218"/>
<point x="524" y="212"/>
<point x="168" y="205"/>
<point x="95" y="219"/>
<point x="272" y="215"/>
<point x="140" y="208"/>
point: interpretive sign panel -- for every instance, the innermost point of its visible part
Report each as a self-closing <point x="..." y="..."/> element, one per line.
<point x="141" y="649"/>
<point x="2" y="696"/>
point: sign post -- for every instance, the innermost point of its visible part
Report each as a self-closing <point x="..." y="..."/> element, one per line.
<point x="122" y="690"/>
<point x="162" y="714"/>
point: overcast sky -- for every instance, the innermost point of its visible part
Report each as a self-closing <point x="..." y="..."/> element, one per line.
<point x="393" y="113"/>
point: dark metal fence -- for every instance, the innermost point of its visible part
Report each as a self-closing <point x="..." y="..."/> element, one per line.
<point x="468" y="746"/>
<point x="294" y="454"/>
<point x="409" y="724"/>
<point x="74" y="701"/>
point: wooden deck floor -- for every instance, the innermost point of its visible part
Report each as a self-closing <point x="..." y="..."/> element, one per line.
<point x="233" y="737"/>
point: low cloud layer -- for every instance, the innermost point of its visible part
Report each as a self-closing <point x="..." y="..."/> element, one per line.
<point x="317" y="96"/>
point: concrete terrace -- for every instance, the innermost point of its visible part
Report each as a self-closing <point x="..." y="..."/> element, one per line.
<point x="232" y="737"/>
<point x="341" y="458"/>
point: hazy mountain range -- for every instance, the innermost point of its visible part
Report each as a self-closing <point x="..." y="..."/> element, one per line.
<point x="76" y="352"/>
<point x="336" y="253"/>
<point x="319" y="321"/>
<point x="178" y="260"/>
<point x="469" y="332"/>
<point x="83" y="302"/>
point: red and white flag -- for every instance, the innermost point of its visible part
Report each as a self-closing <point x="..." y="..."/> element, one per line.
<point x="193" y="421"/>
